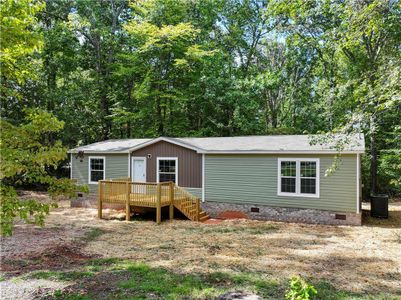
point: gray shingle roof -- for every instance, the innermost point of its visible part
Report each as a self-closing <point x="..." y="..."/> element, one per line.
<point x="241" y="144"/>
<point x="117" y="146"/>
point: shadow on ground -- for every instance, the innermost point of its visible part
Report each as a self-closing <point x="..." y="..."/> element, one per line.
<point x="122" y="279"/>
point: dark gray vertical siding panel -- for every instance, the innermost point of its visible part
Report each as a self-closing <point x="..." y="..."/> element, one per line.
<point x="189" y="163"/>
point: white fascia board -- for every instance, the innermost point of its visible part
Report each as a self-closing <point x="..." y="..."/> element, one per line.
<point x="98" y="152"/>
<point x="281" y="152"/>
<point x="163" y="139"/>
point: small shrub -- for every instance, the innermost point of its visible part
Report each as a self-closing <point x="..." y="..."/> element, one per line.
<point x="300" y="290"/>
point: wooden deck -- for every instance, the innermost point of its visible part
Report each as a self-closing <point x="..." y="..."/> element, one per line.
<point x="143" y="200"/>
<point x="150" y="195"/>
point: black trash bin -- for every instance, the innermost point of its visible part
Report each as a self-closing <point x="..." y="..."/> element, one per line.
<point x="379" y="206"/>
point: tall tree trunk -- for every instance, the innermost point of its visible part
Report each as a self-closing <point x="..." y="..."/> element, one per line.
<point x="373" y="156"/>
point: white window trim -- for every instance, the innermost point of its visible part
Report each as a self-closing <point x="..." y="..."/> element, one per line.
<point x="298" y="178"/>
<point x="89" y="168"/>
<point x="176" y="167"/>
<point x="203" y="177"/>
<point x="358" y="183"/>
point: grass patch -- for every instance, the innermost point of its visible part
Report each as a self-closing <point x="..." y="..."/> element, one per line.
<point x="328" y="292"/>
<point x="61" y="276"/>
<point x="132" y="280"/>
<point x="145" y="280"/>
<point x="92" y="234"/>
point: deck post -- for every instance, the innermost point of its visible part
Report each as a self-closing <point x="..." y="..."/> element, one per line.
<point x="197" y="209"/>
<point x="158" y="205"/>
<point x="127" y="206"/>
<point x="99" y="200"/>
<point x="171" y="211"/>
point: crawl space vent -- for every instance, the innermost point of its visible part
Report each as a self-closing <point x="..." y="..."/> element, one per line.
<point x="340" y="217"/>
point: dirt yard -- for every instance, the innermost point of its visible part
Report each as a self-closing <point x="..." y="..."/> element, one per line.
<point x="76" y="254"/>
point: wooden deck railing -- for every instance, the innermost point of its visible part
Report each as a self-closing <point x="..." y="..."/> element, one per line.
<point x="156" y="195"/>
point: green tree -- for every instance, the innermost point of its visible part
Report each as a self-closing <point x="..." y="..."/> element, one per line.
<point x="26" y="157"/>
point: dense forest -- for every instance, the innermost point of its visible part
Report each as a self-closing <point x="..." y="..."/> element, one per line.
<point x="83" y="71"/>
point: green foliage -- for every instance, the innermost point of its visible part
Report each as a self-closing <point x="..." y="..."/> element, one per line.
<point x="12" y="207"/>
<point x="19" y="38"/>
<point x="28" y="151"/>
<point x="300" y="290"/>
<point x="124" y="69"/>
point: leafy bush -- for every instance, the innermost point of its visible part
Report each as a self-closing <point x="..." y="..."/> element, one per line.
<point x="300" y="290"/>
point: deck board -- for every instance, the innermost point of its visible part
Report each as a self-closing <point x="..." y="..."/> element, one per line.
<point x="138" y="199"/>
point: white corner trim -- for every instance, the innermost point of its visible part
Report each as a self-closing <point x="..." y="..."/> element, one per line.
<point x="129" y="165"/>
<point x="203" y="177"/>
<point x="358" y="183"/>
<point x="176" y="167"/>
<point x="89" y="168"/>
<point x="298" y="177"/>
<point x="70" y="165"/>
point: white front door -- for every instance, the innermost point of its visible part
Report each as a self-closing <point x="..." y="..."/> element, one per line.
<point x="138" y="169"/>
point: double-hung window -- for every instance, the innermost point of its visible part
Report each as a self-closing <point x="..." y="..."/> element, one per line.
<point x="97" y="167"/>
<point x="298" y="177"/>
<point x="167" y="169"/>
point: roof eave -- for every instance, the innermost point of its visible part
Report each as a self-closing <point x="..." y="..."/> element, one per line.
<point x="98" y="152"/>
<point x="281" y="152"/>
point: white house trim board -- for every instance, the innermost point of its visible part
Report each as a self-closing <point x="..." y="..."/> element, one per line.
<point x="98" y="152"/>
<point x="70" y="165"/>
<point x="176" y="168"/>
<point x="129" y="165"/>
<point x="298" y="177"/>
<point x="276" y="152"/>
<point x="133" y="165"/>
<point x="358" y="183"/>
<point x="89" y="168"/>
<point x="203" y="177"/>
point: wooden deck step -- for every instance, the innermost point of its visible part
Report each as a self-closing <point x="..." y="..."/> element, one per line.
<point x="204" y="218"/>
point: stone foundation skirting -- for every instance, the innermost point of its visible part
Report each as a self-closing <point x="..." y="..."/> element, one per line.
<point x="261" y="212"/>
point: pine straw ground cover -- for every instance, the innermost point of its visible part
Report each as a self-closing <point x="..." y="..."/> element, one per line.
<point x="77" y="256"/>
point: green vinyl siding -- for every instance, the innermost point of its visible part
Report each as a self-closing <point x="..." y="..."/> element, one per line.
<point x="116" y="167"/>
<point x="252" y="179"/>
<point x="197" y="192"/>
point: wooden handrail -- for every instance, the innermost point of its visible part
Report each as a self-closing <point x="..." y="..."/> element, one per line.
<point x="149" y="194"/>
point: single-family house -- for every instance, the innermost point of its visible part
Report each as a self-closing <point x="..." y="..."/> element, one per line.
<point x="265" y="177"/>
